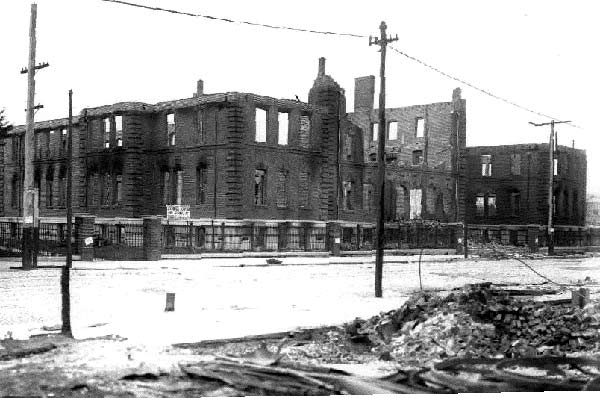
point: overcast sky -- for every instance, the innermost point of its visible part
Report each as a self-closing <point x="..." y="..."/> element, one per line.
<point x="542" y="55"/>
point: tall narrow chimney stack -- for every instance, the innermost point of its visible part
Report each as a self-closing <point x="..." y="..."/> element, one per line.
<point x="321" y="67"/>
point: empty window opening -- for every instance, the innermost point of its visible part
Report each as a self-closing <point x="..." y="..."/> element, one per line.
<point x="282" y="188"/>
<point x="515" y="203"/>
<point x="200" y="126"/>
<point x="106" y="190"/>
<point x="119" y="189"/>
<point x="37" y="149"/>
<point x="420" y="126"/>
<point x="259" y="187"/>
<point x="515" y="164"/>
<point x="368" y="197"/>
<point x="375" y="127"/>
<point x="415" y="203"/>
<point x="491" y="205"/>
<point x="107" y="132"/>
<point x="555" y="166"/>
<point x="201" y="184"/>
<point x="393" y="131"/>
<point x="486" y="165"/>
<point x="303" y="189"/>
<point x="347" y="195"/>
<point x="14" y="195"/>
<point x="62" y="192"/>
<point x="417" y="157"/>
<point x="304" y="137"/>
<point x="119" y="130"/>
<point x="261" y="125"/>
<point x="171" y="128"/>
<point x="166" y="187"/>
<point x="63" y="141"/>
<point x="47" y="143"/>
<point x="284" y="119"/>
<point x="480" y="205"/>
<point x="348" y="146"/>
<point x="179" y="188"/>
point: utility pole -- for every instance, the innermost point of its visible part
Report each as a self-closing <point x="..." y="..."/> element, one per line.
<point x="551" y="151"/>
<point x="66" y="270"/>
<point x="30" y="193"/>
<point x="380" y="206"/>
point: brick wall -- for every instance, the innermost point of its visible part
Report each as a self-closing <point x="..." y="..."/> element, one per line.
<point x="444" y="136"/>
<point x="531" y="183"/>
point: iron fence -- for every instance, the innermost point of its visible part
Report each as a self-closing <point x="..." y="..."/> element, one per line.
<point x="125" y="240"/>
<point x="52" y="238"/>
<point x="400" y="236"/>
<point x="125" y="234"/>
<point x="188" y="238"/>
<point x="10" y="238"/>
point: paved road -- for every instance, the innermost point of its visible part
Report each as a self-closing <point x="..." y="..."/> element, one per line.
<point x="217" y="298"/>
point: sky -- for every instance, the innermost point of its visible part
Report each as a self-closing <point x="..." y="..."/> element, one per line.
<point x="541" y="55"/>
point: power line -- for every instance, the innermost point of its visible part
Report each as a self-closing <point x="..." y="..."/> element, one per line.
<point x="486" y="92"/>
<point x="345" y="34"/>
<point x="189" y="14"/>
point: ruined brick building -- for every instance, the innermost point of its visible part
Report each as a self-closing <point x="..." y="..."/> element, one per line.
<point x="592" y="207"/>
<point x="241" y="156"/>
<point x="508" y="184"/>
<point x="423" y="144"/>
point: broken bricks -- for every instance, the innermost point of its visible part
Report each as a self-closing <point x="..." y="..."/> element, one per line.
<point x="479" y="322"/>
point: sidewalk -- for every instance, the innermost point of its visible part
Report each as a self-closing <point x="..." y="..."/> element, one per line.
<point x="234" y="260"/>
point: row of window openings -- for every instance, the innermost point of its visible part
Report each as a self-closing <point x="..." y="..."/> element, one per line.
<point x="39" y="149"/>
<point x="515" y="165"/>
<point x="414" y="199"/>
<point x="486" y="204"/>
<point x="261" y="128"/>
<point x="172" y="131"/>
<point x="417" y="156"/>
<point x="394" y="132"/>
<point x="118" y="131"/>
<point x="172" y="187"/>
<point x="51" y="200"/>
<point x="283" y="121"/>
<point x="105" y="190"/>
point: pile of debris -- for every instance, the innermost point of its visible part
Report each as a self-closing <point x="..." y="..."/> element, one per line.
<point x="497" y="251"/>
<point x="478" y="321"/>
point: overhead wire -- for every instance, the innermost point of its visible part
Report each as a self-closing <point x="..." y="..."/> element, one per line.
<point x="189" y="14"/>
<point x="484" y="91"/>
<point x="345" y="34"/>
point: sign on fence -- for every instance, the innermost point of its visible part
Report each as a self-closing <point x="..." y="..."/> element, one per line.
<point x="178" y="212"/>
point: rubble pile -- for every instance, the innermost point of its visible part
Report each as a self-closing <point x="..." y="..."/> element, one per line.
<point x="496" y="251"/>
<point x="479" y="321"/>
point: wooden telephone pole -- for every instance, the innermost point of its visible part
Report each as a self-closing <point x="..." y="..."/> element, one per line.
<point x="380" y="206"/>
<point x="65" y="276"/>
<point x="30" y="192"/>
<point x="551" y="154"/>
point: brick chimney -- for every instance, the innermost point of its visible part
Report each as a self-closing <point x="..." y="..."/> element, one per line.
<point x="321" y="67"/>
<point x="199" y="88"/>
<point x="364" y="93"/>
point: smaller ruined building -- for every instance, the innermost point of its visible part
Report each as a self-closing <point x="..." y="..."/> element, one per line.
<point x="508" y="184"/>
<point x="592" y="207"/>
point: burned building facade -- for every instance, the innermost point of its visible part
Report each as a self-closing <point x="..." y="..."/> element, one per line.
<point x="423" y="144"/>
<point x="241" y="156"/>
<point x="508" y="184"/>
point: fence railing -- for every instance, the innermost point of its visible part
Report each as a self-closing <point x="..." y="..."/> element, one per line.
<point x="52" y="238"/>
<point x="401" y="236"/>
<point x="186" y="238"/>
<point x="124" y="239"/>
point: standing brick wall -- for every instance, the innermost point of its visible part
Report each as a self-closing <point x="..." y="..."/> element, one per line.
<point x="531" y="183"/>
